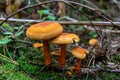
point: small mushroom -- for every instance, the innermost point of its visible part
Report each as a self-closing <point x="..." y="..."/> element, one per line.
<point x="63" y="40"/>
<point x="44" y="31"/>
<point x="94" y="42"/>
<point x="56" y="53"/>
<point x="80" y="54"/>
<point x="38" y="45"/>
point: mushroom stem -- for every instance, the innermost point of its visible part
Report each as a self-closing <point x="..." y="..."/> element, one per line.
<point x="48" y="59"/>
<point x="62" y="58"/>
<point x="78" y="67"/>
<point x="96" y="46"/>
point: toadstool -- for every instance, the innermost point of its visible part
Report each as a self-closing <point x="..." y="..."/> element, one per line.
<point x="93" y="42"/>
<point x="63" y="40"/>
<point x="56" y="53"/>
<point x="44" y="31"/>
<point x="80" y="54"/>
<point x="38" y="45"/>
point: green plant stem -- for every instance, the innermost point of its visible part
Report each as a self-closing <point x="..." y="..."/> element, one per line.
<point x="2" y="57"/>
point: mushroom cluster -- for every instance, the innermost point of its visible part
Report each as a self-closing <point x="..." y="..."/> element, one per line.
<point x="44" y="31"/>
<point x="64" y="39"/>
<point x="52" y="32"/>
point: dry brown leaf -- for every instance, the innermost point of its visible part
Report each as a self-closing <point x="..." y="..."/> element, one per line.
<point x="8" y="7"/>
<point x="12" y="7"/>
<point x="62" y="9"/>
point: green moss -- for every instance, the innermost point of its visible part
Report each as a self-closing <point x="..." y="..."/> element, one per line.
<point x="10" y="72"/>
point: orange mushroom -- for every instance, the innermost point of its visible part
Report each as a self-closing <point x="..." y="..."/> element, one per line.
<point x="38" y="45"/>
<point x="44" y="31"/>
<point x="93" y="42"/>
<point x="63" y="40"/>
<point x="56" y="53"/>
<point x="80" y="54"/>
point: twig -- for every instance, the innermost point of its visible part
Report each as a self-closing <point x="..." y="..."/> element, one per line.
<point x="115" y="71"/>
<point x="103" y="30"/>
<point x="86" y="24"/>
<point x="92" y="55"/>
<point x="44" y="6"/>
<point x="95" y="23"/>
<point x="95" y="10"/>
<point x="21" y="41"/>
<point x="117" y="2"/>
<point x="2" y="29"/>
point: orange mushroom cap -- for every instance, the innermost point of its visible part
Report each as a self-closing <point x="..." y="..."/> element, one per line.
<point x="78" y="52"/>
<point x="65" y="38"/>
<point x="93" y="41"/>
<point x="44" y="30"/>
<point x="37" y="45"/>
